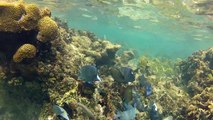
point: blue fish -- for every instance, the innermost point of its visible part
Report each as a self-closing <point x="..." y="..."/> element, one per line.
<point x="59" y="111"/>
<point x="128" y="74"/>
<point x="89" y="73"/>
<point x="153" y="113"/>
<point x="137" y="99"/>
<point x="145" y="84"/>
<point x="148" y="90"/>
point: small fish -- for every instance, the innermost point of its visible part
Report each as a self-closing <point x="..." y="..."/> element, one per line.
<point x="128" y="74"/>
<point x="137" y="99"/>
<point x="148" y="89"/>
<point x="59" y="111"/>
<point x="89" y="73"/>
<point x="145" y="84"/>
<point x="153" y="113"/>
<point x="123" y="74"/>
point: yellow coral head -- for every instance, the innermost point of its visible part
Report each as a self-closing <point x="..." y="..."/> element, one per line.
<point x="48" y="29"/>
<point x="25" y="51"/>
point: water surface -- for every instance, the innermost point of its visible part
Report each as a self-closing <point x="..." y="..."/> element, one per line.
<point x="167" y="29"/>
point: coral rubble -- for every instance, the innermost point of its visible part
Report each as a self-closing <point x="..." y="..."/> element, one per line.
<point x="197" y="72"/>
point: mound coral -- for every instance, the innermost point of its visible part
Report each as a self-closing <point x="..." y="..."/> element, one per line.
<point x="22" y="23"/>
<point x="29" y="20"/>
<point x="10" y="15"/>
<point x="48" y="29"/>
<point x="25" y="51"/>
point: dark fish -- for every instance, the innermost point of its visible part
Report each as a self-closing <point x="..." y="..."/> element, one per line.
<point x="89" y="73"/>
<point x="145" y="84"/>
<point x="128" y="74"/>
<point x="123" y="74"/>
<point x="137" y="99"/>
<point x="59" y="111"/>
<point x="153" y="113"/>
<point x="148" y="90"/>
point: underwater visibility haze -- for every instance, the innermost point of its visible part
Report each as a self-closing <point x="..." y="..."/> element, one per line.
<point x="106" y="59"/>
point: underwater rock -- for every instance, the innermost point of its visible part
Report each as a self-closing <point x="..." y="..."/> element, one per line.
<point x="200" y="7"/>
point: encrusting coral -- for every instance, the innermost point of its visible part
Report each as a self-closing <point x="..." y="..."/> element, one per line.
<point x="25" y="51"/>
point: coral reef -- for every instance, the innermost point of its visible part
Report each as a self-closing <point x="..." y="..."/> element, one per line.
<point x="43" y="62"/>
<point x="197" y="71"/>
<point x="201" y="106"/>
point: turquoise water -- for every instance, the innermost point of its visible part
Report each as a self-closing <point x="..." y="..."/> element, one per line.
<point x="150" y="30"/>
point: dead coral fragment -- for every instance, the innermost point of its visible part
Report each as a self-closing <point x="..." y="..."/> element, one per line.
<point x="48" y="29"/>
<point x="25" y="51"/>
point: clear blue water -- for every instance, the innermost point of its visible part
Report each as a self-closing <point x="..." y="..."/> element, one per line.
<point x="156" y="31"/>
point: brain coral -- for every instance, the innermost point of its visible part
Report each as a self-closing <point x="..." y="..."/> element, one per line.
<point x="30" y="19"/>
<point x="22" y="23"/>
<point x="10" y="14"/>
<point x="48" y="29"/>
<point x="25" y="51"/>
